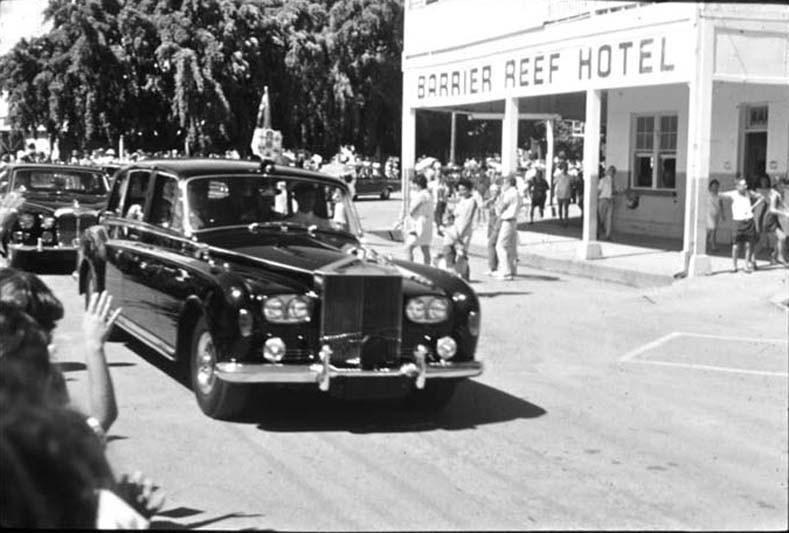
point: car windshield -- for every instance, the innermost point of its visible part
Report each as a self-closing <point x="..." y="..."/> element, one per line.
<point x="59" y="181"/>
<point x="215" y="202"/>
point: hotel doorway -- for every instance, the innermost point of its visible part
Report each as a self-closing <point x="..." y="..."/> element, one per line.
<point x="754" y="145"/>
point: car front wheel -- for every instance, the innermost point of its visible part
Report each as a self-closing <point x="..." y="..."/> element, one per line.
<point x="216" y="398"/>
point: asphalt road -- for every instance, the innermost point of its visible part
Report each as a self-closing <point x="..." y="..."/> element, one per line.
<point x="601" y="408"/>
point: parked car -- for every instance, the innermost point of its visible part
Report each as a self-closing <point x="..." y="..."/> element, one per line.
<point x="253" y="273"/>
<point x="60" y="201"/>
<point x="369" y="180"/>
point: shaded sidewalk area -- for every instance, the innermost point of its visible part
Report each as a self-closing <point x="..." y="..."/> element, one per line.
<point x="634" y="260"/>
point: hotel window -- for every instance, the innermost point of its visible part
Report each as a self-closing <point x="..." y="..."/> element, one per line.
<point x="655" y="156"/>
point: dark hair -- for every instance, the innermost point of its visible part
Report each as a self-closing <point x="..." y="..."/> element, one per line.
<point x="26" y="373"/>
<point x="421" y="181"/>
<point x="713" y="181"/>
<point x="29" y="293"/>
<point x="512" y="180"/>
<point x="465" y="183"/>
<point x="52" y="464"/>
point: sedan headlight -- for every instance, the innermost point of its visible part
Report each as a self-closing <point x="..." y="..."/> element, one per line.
<point x="26" y="221"/>
<point x="287" y="308"/>
<point x="427" y="309"/>
<point x="47" y="222"/>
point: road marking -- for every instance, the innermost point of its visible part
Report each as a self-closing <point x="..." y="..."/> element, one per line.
<point x="726" y="338"/>
<point x="646" y="347"/>
<point x="716" y="368"/>
<point x="630" y="357"/>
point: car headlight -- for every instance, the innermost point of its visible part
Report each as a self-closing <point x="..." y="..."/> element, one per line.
<point x="26" y="221"/>
<point x="287" y="308"/>
<point x="427" y="309"/>
<point x="47" y="222"/>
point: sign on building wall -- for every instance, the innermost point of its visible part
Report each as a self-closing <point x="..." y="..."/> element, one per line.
<point x="607" y="61"/>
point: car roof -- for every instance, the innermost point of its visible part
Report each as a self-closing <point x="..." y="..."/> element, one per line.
<point x="190" y="168"/>
<point x="52" y="166"/>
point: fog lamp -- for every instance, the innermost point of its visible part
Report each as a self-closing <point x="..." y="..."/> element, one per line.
<point x="26" y="221"/>
<point x="446" y="347"/>
<point x="473" y="323"/>
<point x="245" y="322"/>
<point x="47" y="237"/>
<point x="274" y="349"/>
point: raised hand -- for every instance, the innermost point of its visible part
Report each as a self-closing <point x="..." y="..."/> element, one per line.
<point x="97" y="322"/>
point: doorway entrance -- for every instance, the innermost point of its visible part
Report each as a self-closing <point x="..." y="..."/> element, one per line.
<point x="755" y="164"/>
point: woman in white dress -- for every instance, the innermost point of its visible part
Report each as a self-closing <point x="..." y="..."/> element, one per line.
<point x="420" y="222"/>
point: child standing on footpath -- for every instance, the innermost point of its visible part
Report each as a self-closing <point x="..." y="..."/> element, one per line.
<point x="742" y="203"/>
<point x="714" y="215"/>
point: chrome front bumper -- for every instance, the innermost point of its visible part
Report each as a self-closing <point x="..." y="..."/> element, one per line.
<point x="322" y="373"/>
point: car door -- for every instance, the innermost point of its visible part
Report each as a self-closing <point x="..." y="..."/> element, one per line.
<point x="130" y="252"/>
<point x="112" y="221"/>
<point x="169" y="278"/>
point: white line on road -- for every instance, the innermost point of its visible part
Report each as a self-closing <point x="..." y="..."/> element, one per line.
<point x="727" y="338"/>
<point x="631" y="355"/>
<point x="716" y="368"/>
<point x="646" y="347"/>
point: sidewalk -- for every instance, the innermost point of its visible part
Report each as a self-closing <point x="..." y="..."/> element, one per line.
<point x="633" y="260"/>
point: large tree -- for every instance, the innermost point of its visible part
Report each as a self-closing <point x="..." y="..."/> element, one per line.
<point x="165" y="72"/>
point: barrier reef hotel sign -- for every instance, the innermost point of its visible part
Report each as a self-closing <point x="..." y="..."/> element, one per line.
<point x="598" y="62"/>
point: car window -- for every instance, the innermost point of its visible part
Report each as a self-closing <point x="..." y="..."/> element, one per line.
<point x="59" y="181"/>
<point x="165" y="203"/>
<point x="114" y="201"/>
<point x="242" y="200"/>
<point x="134" y="203"/>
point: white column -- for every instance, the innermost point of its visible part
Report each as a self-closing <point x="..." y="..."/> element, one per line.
<point x="589" y="247"/>
<point x="453" y="138"/>
<point x="549" y="160"/>
<point x="695" y="260"/>
<point x="509" y="136"/>
<point x="408" y="154"/>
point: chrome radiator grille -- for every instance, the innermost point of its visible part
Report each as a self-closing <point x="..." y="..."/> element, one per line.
<point x="68" y="227"/>
<point x="361" y="319"/>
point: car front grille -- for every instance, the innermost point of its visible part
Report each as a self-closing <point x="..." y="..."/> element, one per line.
<point x="67" y="226"/>
<point x="361" y="319"/>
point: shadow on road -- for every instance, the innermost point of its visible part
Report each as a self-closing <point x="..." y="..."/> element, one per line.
<point x="308" y="409"/>
<point x="160" y="521"/>
<point x="473" y="404"/>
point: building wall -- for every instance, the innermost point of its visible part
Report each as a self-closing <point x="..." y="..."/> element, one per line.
<point x="662" y="213"/>
<point x="658" y="212"/>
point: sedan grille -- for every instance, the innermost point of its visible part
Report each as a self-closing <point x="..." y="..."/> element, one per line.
<point x="361" y="319"/>
<point x="68" y="229"/>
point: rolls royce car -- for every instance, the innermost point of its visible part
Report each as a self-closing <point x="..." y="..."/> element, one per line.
<point x="60" y="202"/>
<point x="252" y="274"/>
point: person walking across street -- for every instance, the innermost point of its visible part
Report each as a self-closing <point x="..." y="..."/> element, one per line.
<point x="420" y="227"/>
<point x="507" y="210"/>
<point x="605" y="202"/>
<point x="562" y="184"/>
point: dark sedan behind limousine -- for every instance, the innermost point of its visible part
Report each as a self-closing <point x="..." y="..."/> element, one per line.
<point x="60" y="202"/>
<point x="252" y="273"/>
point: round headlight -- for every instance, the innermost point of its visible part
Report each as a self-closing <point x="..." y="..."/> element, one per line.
<point x="446" y="347"/>
<point x="274" y="309"/>
<point x="298" y="308"/>
<point x="48" y="222"/>
<point x="415" y="309"/>
<point x="26" y="221"/>
<point x="274" y="349"/>
<point x="47" y="237"/>
<point x="438" y="309"/>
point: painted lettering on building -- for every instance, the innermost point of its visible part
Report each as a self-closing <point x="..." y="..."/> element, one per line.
<point x="620" y="60"/>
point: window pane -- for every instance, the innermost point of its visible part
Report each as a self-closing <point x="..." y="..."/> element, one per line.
<point x="645" y="128"/>
<point x="642" y="173"/>
<point x="667" y="176"/>
<point x="164" y="206"/>
<point x="668" y="132"/>
<point x="757" y="117"/>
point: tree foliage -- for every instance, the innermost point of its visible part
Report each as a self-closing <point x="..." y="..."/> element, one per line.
<point x="167" y="72"/>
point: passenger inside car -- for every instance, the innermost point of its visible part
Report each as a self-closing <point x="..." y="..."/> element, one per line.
<point x="306" y="196"/>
